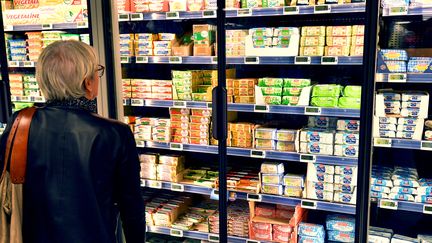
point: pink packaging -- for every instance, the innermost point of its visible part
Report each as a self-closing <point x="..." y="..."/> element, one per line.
<point x="260" y="236"/>
<point x="285" y="207"/>
<point x="282" y="228"/>
<point x="263" y="227"/>
<point x="281" y="237"/>
<point x="284" y="214"/>
<point x="123" y="6"/>
<point x="265" y="210"/>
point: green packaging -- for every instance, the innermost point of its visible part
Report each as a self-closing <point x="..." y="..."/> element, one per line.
<point x="290" y="100"/>
<point x="352" y="91"/>
<point x="271" y="91"/>
<point x="326" y="90"/>
<point x="349" y="102"/>
<point x="324" y="101"/>
<point x="273" y="100"/>
<point x="270" y="82"/>
<point x="296" y="82"/>
<point x="294" y="91"/>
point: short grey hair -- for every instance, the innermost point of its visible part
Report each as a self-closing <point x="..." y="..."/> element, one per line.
<point x="62" y="68"/>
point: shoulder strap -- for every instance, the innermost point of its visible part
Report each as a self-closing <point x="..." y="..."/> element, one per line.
<point x="16" y="147"/>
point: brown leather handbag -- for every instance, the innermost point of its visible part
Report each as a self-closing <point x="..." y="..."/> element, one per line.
<point x="11" y="182"/>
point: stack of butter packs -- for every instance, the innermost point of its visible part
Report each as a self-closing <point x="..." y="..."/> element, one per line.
<point x="275" y="139"/>
<point x="235" y="42"/>
<point x="395" y="60"/>
<point x="196" y="217"/>
<point x="147" y="89"/>
<point x="164" y="210"/>
<point x="240" y="134"/>
<point x="285" y="91"/>
<point x="35" y="45"/>
<point x="161" y="167"/>
<point x="329" y="136"/>
<point x="152" y="129"/>
<point x="272" y="37"/>
<point x="241" y="90"/>
<point x="24" y="85"/>
<point x="312" y="41"/>
<point x="400" y="114"/>
<point x="190" y="125"/>
<point x="329" y="95"/>
<point x="344" y="40"/>
<point x="16" y="49"/>
<point x="311" y="233"/>
<point x="331" y="183"/>
<point x="275" y="181"/>
<point x="238" y="219"/>
<point x="340" y="228"/>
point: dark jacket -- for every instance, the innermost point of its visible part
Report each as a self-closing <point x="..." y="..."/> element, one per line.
<point x="82" y="169"/>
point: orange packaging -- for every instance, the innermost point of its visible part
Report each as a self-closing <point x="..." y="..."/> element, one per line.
<point x="180" y="125"/>
<point x="200" y="119"/>
<point x="284" y="214"/>
<point x="179" y="111"/>
<point x="265" y="210"/>
<point x="25" y="4"/>
<point x="179" y="132"/>
<point x="137" y="95"/>
<point x="123" y="6"/>
<point x="244" y="91"/>
<point x="202" y="141"/>
<point x="199" y="126"/>
<point x="201" y="112"/>
<point x="179" y="139"/>
<point x="179" y="118"/>
<point x="199" y="134"/>
<point x="281" y="236"/>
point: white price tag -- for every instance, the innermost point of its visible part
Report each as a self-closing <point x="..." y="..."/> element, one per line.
<point x="176" y="146"/>
<point x="214" y="60"/>
<point x="252" y="241"/>
<point x="308" y="204"/>
<point x="312" y="111"/>
<point x="39" y="99"/>
<point x="172" y="15"/>
<point x="82" y="25"/>
<point x="123" y="17"/>
<point x="388" y="204"/>
<point x="302" y="60"/>
<point x="427" y="209"/>
<point x="261" y="108"/>
<point x="251" y="60"/>
<point x="382" y="142"/>
<point x="308" y="158"/>
<point x="257" y="154"/>
<point x="137" y="102"/>
<point x="426" y="145"/>
<point x="143" y="183"/>
<point x="209" y="14"/>
<point x="291" y="10"/>
<point x="254" y="197"/>
<point x="175" y="60"/>
<point x="125" y="101"/>
<point x="319" y="9"/>
<point x="136" y="16"/>
<point x="398" y="10"/>
<point x="397" y="78"/>
<point x="125" y="59"/>
<point x="179" y="104"/>
<point x="176" y="232"/>
<point x="327" y="60"/>
<point x="155" y="184"/>
<point x="140" y="144"/>
<point x="29" y="64"/>
<point x="8" y="28"/>
<point x="141" y="59"/>
<point x="177" y="187"/>
<point x="47" y="26"/>
<point x="244" y="12"/>
<point x="13" y="64"/>
<point x="14" y="98"/>
<point x="213" y="238"/>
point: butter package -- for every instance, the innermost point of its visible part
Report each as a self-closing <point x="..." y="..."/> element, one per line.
<point x="347" y="138"/>
<point x="389" y="120"/>
<point x="319" y="177"/>
<point x="418" y="65"/>
<point x="414" y="96"/>
<point x="379" y="195"/>
<point x="295" y="91"/>
<point x="286" y="135"/>
<point x="382" y="182"/>
<point x="348" y="125"/>
<point x="291" y="191"/>
<point x="406" y="183"/>
<point x="326" y="90"/>
<point x="299" y="83"/>
<point x="261" y="32"/>
<point x="405" y="128"/>
<point x="272" y="99"/>
<point x="316" y="148"/>
<point x="349" y="189"/>
<point x="338" y="31"/>
<point x="321" y="122"/>
<point x="271" y="178"/>
<point x="382" y="189"/>
<point x="290" y="100"/>
<point x="392" y="104"/>
<point x="403" y="239"/>
<point x="425" y="190"/>
<point x="308" y="239"/>
<point x="313" y="31"/>
<point x="340" y="222"/>
<point x="321" y="168"/>
<point x="404" y="190"/>
<point x="379" y="237"/>
<point x="324" y="101"/>
<point x="338" y="40"/>
<point x="391" y="96"/>
<point x="346" y="179"/>
<point x="424" y="238"/>
<point x="345" y="170"/>
<point x="401" y="197"/>
<point x="349" y="102"/>
<point x="293" y="180"/>
<point x="319" y="195"/>
<point x="345" y="197"/>
<point x="265" y="144"/>
<point x="356" y="50"/>
<point x="396" y="66"/>
<point x="394" y="55"/>
<point x="285" y="146"/>
<point x="272" y="189"/>
<point x="352" y="91"/>
<point x="358" y="30"/>
<point x="346" y="150"/>
<point x="410" y="104"/>
<point x="339" y="236"/>
<point x="406" y="135"/>
<point x="271" y="91"/>
<point x="321" y="186"/>
<point x="265" y="133"/>
<point x="312" y="41"/>
<point x="272" y="168"/>
<point x="423" y="199"/>
<point x="357" y="40"/>
<point x="311" y="51"/>
<point x="312" y="230"/>
<point x="326" y="137"/>
<point x="270" y="82"/>
<point x="337" y="50"/>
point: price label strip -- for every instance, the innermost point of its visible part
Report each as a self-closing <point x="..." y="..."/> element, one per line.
<point x="124" y="59"/>
<point x="176" y="232"/>
<point x="251" y="60"/>
<point x="261" y="108"/>
<point x="209" y="14"/>
<point x="312" y="111"/>
<point x="427" y="209"/>
<point x="172" y="15"/>
<point x="388" y="204"/>
<point x="143" y="183"/>
<point x="426" y="145"/>
<point x="321" y="9"/>
<point x="123" y="17"/>
<point x="47" y="26"/>
<point x="142" y="59"/>
<point x="176" y="146"/>
<point x="254" y="197"/>
<point x="82" y="25"/>
<point x="257" y="154"/>
<point x="179" y="104"/>
<point x="8" y="28"/>
<point x="155" y="184"/>
<point x="214" y="60"/>
<point x="398" y="10"/>
<point x="252" y="241"/>
<point x="13" y="64"/>
<point x="175" y="60"/>
<point x="302" y="60"/>
<point x="29" y="64"/>
<point x="382" y="142"/>
<point x="326" y="60"/>
<point x="136" y="16"/>
<point x="308" y="158"/>
<point x="244" y="12"/>
<point x="125" y="101"/>
<point x="291" y="10"/>
<point x="213" y="238"/>
<point x="140" y="144"/>
<point x="137" y="102"/>
<point x="397" y="78"/>
<point x="308" y="204"/>
<point x="177" y="187"/>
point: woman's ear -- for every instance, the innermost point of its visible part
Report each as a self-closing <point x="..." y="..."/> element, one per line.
<point x="88" y="85"/>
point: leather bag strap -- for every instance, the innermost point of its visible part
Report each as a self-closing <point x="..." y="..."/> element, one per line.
<point x="17" y="143"/>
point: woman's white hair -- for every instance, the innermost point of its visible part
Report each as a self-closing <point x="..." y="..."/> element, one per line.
<point x="62" y="68"/>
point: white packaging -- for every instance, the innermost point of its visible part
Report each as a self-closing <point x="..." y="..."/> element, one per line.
<point x="387" y="127"/>
<point x="316" y="148"/>
<point x="321" y="186"/>
<point x="402" y="239"/>
<point x="346" y="150"/>
<point x="345" y="170"/>
<point x="348" y="125"/>
<point x="342" y="197"/>
<point x="314" y="176"/>
<point x="311" y="193"/>
<point x="272" y="168"/>
<point x="351" y="138"/>
<point x="401" y="197"/>
<point x="421" y="112"/>
<point x="346" y="179"/>
<point x="321" y="168"/>
<point x="388" y="120"/>
<point x="326" y="137"/>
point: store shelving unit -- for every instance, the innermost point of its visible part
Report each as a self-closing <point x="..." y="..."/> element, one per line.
<point x="404" y="77"/>
<point x="405" y="10"/>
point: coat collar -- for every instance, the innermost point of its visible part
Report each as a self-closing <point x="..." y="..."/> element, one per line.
<point x="78" y="103"/>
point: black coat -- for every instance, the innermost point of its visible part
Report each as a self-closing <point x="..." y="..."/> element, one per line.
<point x="82" y="169"/>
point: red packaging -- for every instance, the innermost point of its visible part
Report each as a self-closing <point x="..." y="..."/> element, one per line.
<point x="281" y="237"/>
<point x="265" y="210"/>
<point x="200" y="119"/>
<point x="260" y="236"/>
<point x="284" y="214"/>
<point x="263" y="227"/>
<point x="123" y="6"/>
<point x="282" y="228"/>
<point x="285" y="207"/>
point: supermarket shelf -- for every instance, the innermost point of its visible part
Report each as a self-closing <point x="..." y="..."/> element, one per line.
<point x="404" y="77"/>
<point x="15" y="98"/>
<point x="306" y="203"/>
<point x="295" y="10"/>
<point x="26" y="64"/>
<point x="425" y="10"/>
<point x="315" y="60"/>
<point x="38" y="27"/>
<point x="245" y="152"/>
<point x="281" y="109"/>
<point x="405" y="206"/>
<point x="169" y="60"/>
<point x="195" y="234"/>
<point x="403" y="143"/>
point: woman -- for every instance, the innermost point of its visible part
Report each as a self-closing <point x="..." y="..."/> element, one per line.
<point x="82" y="169"/>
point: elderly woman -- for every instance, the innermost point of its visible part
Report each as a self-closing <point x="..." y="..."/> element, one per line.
<point x="82" y="169"/>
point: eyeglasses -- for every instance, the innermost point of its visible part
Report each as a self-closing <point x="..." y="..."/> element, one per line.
<point x="101" y="70"/>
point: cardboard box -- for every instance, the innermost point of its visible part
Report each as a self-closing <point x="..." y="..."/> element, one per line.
<point x="204" y="34"/>
<point x="183" y="50"/>
<point x="203" y="50"/>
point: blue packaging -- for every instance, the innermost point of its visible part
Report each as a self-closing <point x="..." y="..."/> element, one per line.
<point x="423" y="199"/>
<point x="381" y="182"/>
<point x="322" y="168"/>
<point x="379" y="195"/>
<point x="402" y="238"/>
<point x="340" y="222"/>
<point x="346" y="179"/>
<point x="425" y="190"/>
<point x="340" y="236"/>
<point x="312" y="230"/>
<point x="394" y="55"/>
<point x="401" y="197"/>
<point x="416" y="65"/>
<point x="396" y="66"/>
<point x="406" y="183"/>
<point x="308" y="239"/>
<point x="382" y="189"/>
<point x="404" y="190"/>
<point x="345" y="170"/>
